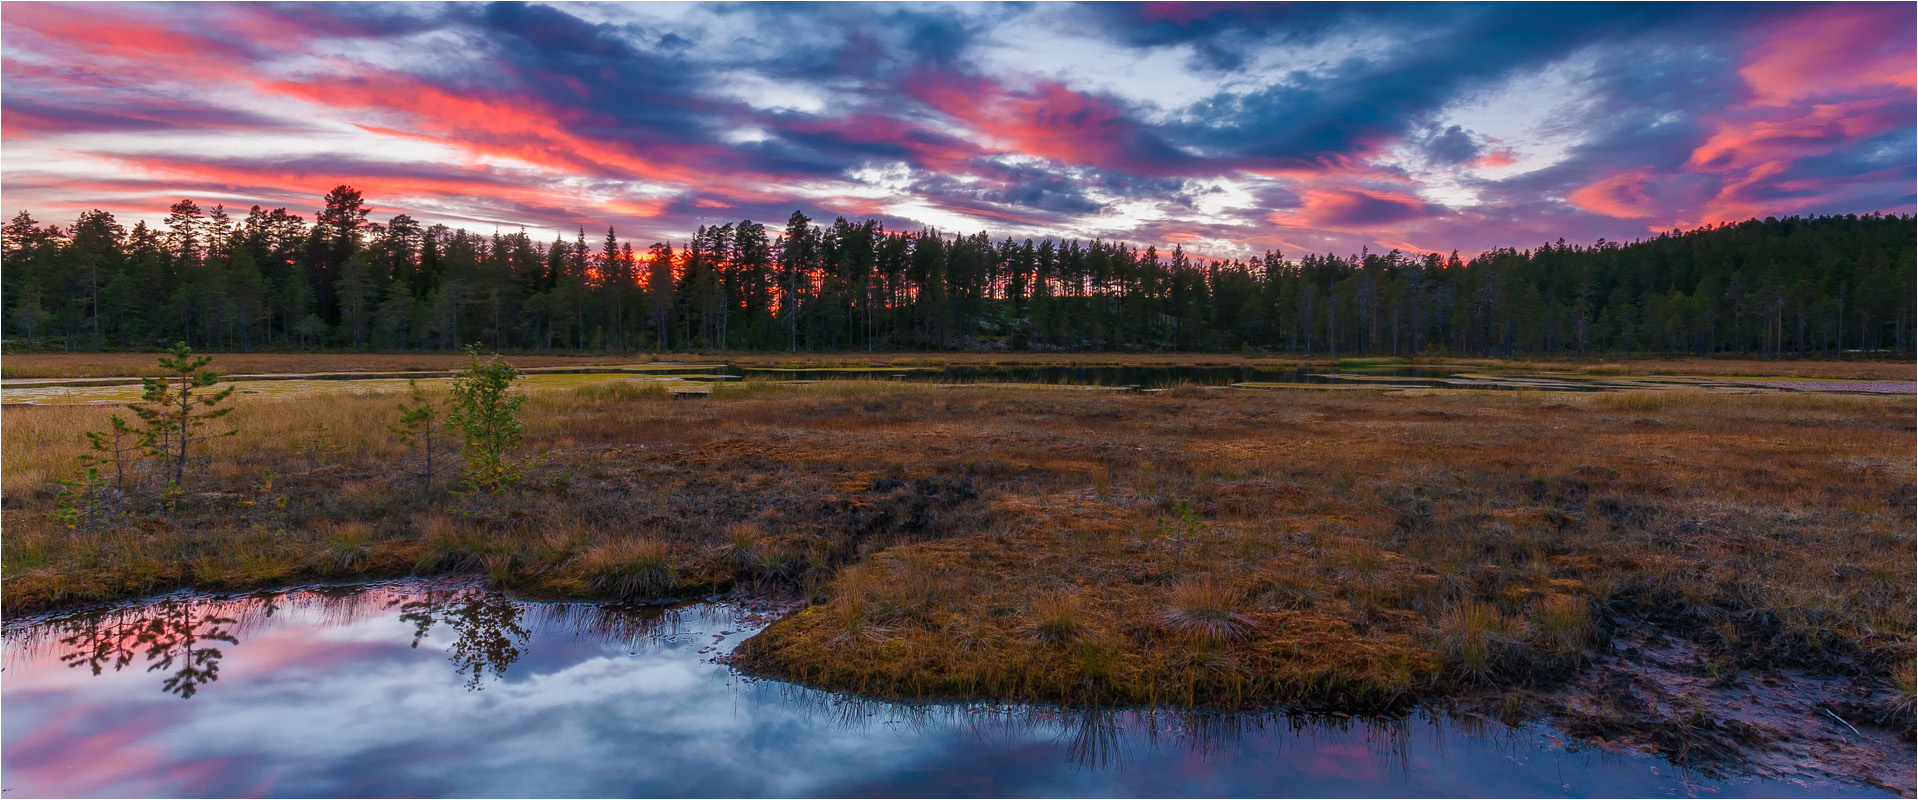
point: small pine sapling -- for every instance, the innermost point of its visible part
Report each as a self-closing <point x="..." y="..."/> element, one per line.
<point x="118" y="454"/>
<point x="421" y="431"/>
<point x="82" y="503"/>
<point x="265" y="487"/>
<point x="174" y="411"/>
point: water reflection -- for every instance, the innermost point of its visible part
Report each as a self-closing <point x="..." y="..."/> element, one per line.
<point x="348" y="692"/>
<point x="485" y="625"/>
<point x="1095" y="740"/>
<point x="169" y="634"/>
<point x="483" y="630"/>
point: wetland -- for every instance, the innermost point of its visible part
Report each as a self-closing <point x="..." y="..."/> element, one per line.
<point x="1665" y="576"/>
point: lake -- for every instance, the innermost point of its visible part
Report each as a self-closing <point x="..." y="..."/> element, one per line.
<point x="445" y="688"/>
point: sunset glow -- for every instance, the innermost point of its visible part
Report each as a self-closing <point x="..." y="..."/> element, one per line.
<point x="1231" y="128"/>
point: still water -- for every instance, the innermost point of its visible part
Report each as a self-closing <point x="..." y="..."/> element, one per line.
<point x="447" y="689"/>
<point x="1151" y="377"/>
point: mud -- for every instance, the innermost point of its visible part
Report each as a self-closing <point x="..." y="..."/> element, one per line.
<point x="1660" y="693"/>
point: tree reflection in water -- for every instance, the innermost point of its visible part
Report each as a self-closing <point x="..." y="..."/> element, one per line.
<point x="171" y="634"/>
<point x="491" y="632"/>
<point x="487" y="631"/>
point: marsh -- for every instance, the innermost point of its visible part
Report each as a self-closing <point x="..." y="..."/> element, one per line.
<point x="1223" y="548"/>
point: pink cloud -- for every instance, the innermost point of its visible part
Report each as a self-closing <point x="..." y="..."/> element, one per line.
<point x="1359" y="209"/>
<point x="1819" y="82"/>
<point x="1833" y="49"/>
<point x="1496" y="159"/>
<point x="1621" y="194"/>
<point x="1048" y="120"/>
<point x="488" y="124"/>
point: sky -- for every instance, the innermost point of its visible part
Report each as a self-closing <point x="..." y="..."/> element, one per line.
<point x="1230" y="129"/>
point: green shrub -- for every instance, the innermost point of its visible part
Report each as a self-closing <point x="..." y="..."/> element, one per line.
<point x="485" y="412"/>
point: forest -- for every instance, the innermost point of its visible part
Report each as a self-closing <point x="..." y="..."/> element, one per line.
<point x="1818" y="286"/>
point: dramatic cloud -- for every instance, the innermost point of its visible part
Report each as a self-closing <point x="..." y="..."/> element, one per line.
<point x="1231" y="128"/>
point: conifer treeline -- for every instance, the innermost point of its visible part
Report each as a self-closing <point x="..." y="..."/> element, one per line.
<point x="1816" y="286"/>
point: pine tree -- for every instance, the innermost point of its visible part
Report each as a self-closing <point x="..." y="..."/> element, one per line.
<point x="422" y="428"/>
<point x="174" y="411"/>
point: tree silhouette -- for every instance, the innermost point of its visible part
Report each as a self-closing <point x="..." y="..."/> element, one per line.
<point x="1817" y="286"/>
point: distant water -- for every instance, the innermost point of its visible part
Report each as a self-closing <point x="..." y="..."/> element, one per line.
<point x="447" y="689"/>
<point x="1387" y="377"/>
<point x="698" y="379"/>
<point x="1147" y="377"/>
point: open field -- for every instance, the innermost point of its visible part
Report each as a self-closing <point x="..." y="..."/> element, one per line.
<point x="113" y="365"/>
<point x="108" y="365"/>
<point x="1339" y="550"/>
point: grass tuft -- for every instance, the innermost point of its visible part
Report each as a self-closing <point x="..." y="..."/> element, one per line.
<point x="741" y="549"/>
<point x="1056" y="618"/>
<point x="638" y="568"/>
<point x="1476" y="639"/>
<point x="347" y="544"/>
<point x="1567" y="622"/>
<point x="1207" y="610"/>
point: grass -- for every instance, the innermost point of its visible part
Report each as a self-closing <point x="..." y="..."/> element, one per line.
<point x="1056" y="619"/>
<point x="1477" y="639"/>
<point x="1864" y="370"/>
<point x="623" y="390"/>
<point x="1342" y="550"/>
<point x="631" y="568"/>
<point x="346" y="545"/>
<point x="114" y="365"/>
<point x="1205" y="610"/>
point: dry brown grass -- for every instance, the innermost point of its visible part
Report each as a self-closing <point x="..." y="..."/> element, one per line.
<point x="1355" y="550"/>
<point x="40" y="442"/>
<point x="115" y="365"/>
<point x="631" y="568"/>
<point x="1883" y="370"/>
<point x="1206" y="610"/>
<point x="1374" y="548"/>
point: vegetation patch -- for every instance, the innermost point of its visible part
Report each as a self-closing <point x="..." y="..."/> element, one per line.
<point x="1332" y="550"/>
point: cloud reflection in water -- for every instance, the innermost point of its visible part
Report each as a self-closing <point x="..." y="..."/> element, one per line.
<point x="445" y="689"/>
